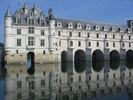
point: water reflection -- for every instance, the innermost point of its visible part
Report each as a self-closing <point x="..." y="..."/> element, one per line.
<point x="68" y="81"/>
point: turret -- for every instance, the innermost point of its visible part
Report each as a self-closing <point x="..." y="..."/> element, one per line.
<point x="51" y="31"/>
<point x="8" y="30"/>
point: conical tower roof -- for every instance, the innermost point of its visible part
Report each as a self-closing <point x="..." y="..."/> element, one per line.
<point x="8" y="14"/>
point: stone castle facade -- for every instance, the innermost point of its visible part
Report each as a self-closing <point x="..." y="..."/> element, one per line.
<point x="29" y="30"/>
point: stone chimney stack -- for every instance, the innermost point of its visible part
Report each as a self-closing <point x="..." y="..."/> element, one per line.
<point x="26" y="8"/>
<point x="35" y="8"/>
<point x="130" y="23"/>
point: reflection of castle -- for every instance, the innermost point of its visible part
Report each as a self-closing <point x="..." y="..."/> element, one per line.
<point x="67" y="82"/>
<point x="29" y="30"/>
<point x="1" y="53"/>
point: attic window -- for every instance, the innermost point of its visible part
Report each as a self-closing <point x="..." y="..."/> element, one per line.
<point x="129" y="30"/>
<point x="113" y="29"/>
<point x="31" y="21"/>
<point x="87" y="26"/>
<point x="59" y="24"/>
<point x="96" y="27"/>
<point x="42" y="22"/>
<point x="18" y="20"/>
<point x="79" y="25"/>
<point x="105" y="28"/>
<point x="121" y="29"/>
<point x="70" y="25"/>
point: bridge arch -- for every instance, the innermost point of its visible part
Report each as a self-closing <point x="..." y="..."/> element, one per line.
<point x="97" y="65"/>
<point x="114" y="55"/>
<point x="31" y="63"/>
<point x="63" y="56"/>
<point x="129" y="55"/>
<point x="80" y="56"/>
<point x="97" y="55"/>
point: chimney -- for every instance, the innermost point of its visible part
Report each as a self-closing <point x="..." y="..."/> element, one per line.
<point x="130" y="23"/>
<point x="35" y="8"/>
<point x="26" y="8"/>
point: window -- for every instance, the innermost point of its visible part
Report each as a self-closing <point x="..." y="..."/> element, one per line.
<point x="18" y="42"/>
<point x="113" y="44"/>
<point x="31" y="21"/>
<point x="97" y="44"/>
<point x="121" y="36"/>
<point x="17" y="51"/>
<point x="89" y="44"/>
<point x="79" y="34"/>
<point x="31" y="85"/>
<point x="71" y="43"/>
<point x="114" y="75"/>
<point x="42" y="32"/>
<point x="59" y="33"/>
<point x="123" y="44"/>
<point x="97" y="35"/>
<point x="59" y="43"/>
<point x="18" y="31"/>
<point x="70" y="34"/>
<point x="42" y="42"/>
<point x="31" y="30"/>
<point x="107" y="44"/>
<point x="129" y="37"/>
<point x="105" y="36"/>
<point x="79" y="78"/>
<point x="19" y="84"/>
<point x="79" y="43"/>
<point x="88" y="35"/>
<point x="42" y="22"/>
<point x="31" y="41"/>
<point x="43" y="82"/>
<point x="113" y="36"/>
<point x="129" y="44"/>
<point x="18" y="20"/>
<point x="89" y="77"/>
<point x="43" y="51"/>
<point x="97" y="77"/>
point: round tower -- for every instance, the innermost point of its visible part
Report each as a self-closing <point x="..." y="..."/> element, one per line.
<point x="8" y="30"/>
<point x="51" y="31"/>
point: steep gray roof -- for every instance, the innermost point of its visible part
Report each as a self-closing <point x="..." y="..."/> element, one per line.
<point x="92" y="24"/>
<point x="8" y="14"/>
<point x="21" y="14"/>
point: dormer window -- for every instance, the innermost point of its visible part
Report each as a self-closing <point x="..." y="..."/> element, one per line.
<point x="42" y="22"/>
<point x="59" y="24"/>
<point x="19" y="21"/>
<point x="96" y="27"/>
<point x="70" y="25"/>
<point x="78" y="26"/>
<point x="113" y="29"/>
<point x="121" y="29"/>
<point x="31" y="21"/>
<point x="87" y="26"/>
<point x="129" y="30"/>
<point x="105" y="28"/>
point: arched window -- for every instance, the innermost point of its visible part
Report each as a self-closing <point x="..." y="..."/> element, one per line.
<point x="70" y="34"/>
<point x="97" y="35"/>
<point x="89" y="44"/>
<point x="88" y="35"/>
<point x="79" y="43"/>
<point x="71" y="43"/>
<point x="79" y="34"/>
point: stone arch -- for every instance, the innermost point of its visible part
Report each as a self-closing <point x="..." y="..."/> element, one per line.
<point x="114" y="55"/>
<point x="114" y="64"/>
<point x="97" y="55"/>
<point x="63" y="56"/>
<point x="80" y="56"/>
<point x="31" y="63"/>
<point x="129" y="55"/>
<point x="80" y="66"/>
<point x="97" y="65"/>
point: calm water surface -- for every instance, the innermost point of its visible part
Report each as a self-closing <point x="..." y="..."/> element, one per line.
<point x="68" y="81"/>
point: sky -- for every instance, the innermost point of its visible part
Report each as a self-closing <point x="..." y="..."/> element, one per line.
<point x="112" y="11"/>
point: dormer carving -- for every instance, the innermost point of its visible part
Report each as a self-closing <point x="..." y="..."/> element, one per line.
<point x="59" y="24"/>
<point x="97" y="27"/>
<point x="105" y="28"/>
<point x="79" y="26"/>
<point x="113" y="29"/>
<point x="70" y="25"/>
<point x="87" y="27"/>
<point x="121" y="29"/>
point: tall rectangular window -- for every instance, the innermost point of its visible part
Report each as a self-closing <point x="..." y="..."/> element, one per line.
<point x="18" y="20"/>
<point x="121" y="36"/>
<point x="42" y="42"/>
<point x="97" y="44"/>
<point x="42" y="32"/>
<point x="113" y="44"/>
<point x="31" y="30"/>
<point x="42" y="22"/>
<point x="31" y="41"/>
<point x="79" y="34"/>
<point x="31" y="21"/>
<point x="18" y="42"/>
<point x="105" y="36"/>
<point x="59" y="43"/>
<point x="18" y="31"/>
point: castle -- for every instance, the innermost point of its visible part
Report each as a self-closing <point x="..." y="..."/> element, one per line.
<point x="50" y="39"/>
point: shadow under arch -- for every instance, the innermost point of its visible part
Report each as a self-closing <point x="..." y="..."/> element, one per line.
<point x="97" y="65"/>
<point x="97" y="55"/>
<point x="129" y="64"/>
<point x="114" y="64"/>
<point x="80" y="66"/>
<point x="114" y="55"/>
<point x="64" y="67"/>
<point x="30" y="63"/>
<point x="63" y="56"/>
<point x="129" y="55"/>
<point x="79" y="56"/>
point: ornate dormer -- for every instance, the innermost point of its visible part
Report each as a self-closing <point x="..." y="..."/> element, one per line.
<point x="59" y="24"/>
<point x="42" y="19"/>
<point x="79" y="26"/>
<point x="97" y="27"/>
<point x="87" y="27"/>
<point x="70" y="25"/>
<point x="130" y="23"/>
<point x="121" y="29"/>
<point x="105" y="28"/>
<point x="113" y="29"/>
<point x="129" y="30"/>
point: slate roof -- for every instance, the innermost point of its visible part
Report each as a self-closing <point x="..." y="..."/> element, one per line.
<point x="8" y="14"/>
<point x="92" y="24"/>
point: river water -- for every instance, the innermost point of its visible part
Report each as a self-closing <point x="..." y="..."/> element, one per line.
<point x="68" y="81"/>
